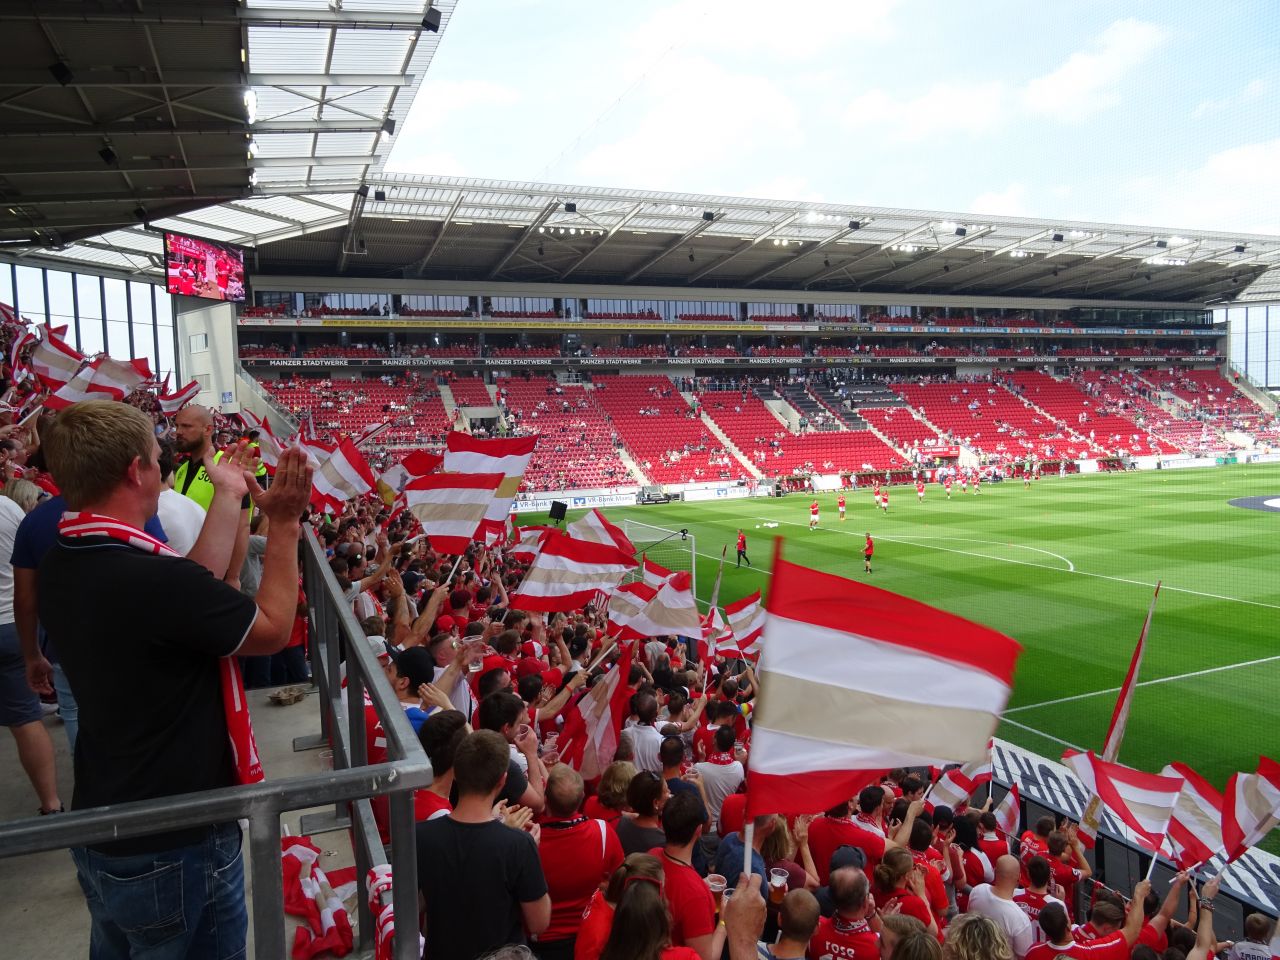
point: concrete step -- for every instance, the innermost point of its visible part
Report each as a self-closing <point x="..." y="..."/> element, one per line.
<point x="731" y="446"/>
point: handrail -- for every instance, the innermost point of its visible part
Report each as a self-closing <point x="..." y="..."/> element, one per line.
<point x="351" y="782"/>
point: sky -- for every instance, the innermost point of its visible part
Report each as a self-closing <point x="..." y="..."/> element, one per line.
<point x="1130" y="111"/>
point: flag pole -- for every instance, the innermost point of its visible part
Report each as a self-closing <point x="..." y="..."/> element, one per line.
<point x="1152" y="867"/>
<point x="748" y="838"/>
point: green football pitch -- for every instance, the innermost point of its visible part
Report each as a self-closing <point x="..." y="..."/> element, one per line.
<point x="1068" y="569"/>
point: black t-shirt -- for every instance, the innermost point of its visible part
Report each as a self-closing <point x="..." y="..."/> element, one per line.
<point x="473" y="878"/>
<point x="139" y="637"/>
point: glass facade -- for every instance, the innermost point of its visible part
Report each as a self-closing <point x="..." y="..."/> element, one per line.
<point x="124" y="318"/>
<point x="1253" y="335"/>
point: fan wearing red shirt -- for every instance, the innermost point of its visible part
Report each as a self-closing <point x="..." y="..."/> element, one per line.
<point x="1035" y="896"/>
<point x="1035" y="843"/>
<point x="693" y="912"/>
<point x="853" y="932"/>
<point x="1105" y="918"/>
<point x="1115" y="946"/>
<point x="1067" y="864"/>
<point x="918" y="843"/>
<point x="990" y="842"/>
<point x="836" y="829"/>
<point x="1155" y="929"/>
<point x="899" y="881"/>
<point x="440" y="735"/>
<point x="578" y="854"/>
<point x="597" y="921"/>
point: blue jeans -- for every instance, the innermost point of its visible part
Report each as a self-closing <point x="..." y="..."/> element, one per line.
<point x="180" y="904"/>
<point x="68" y="710"/>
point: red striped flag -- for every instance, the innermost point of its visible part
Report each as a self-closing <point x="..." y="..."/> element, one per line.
<point x="370" y="432"/>
<point x="55" y="362"/>
<point x="269" y="445"/>
<point x="1195" y="832"/>
<point x="626" y="604"/>
<point x="594" y="527"/>
<point x="22" y="339"/>
<point x="118" y="378"/>
<point x="451" y="506"/>
<point x="957" y="785"/>
<point x="747" y="618"/>
<point x="718" y="638"/>
<point x="670" y="611"/>
<point x="510" y="457"/>
<point x="1251" y="807"/>
<point x="1009" y="812"/>
<point x="654" y="574"/>
<point x="1092" y="816"/>
<point x="528" y="542"/>
<point x="171" y="403"/>
<point x="1144" y="802"/>
<point x="342" y="475"/>
<point x="834" y="712"/>
<point x="568" y="572"/>
<point x="394" y="479"/>
<point x="593" y="725"/>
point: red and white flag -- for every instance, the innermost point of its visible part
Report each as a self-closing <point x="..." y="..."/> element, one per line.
<point x="528" y="542"/>
<point x="654" y="574"/>
<point x="394" y="479"/>
<point x="22" y="338"/>
<point x="371" y="432"/>
<point x="1144" y="802"/>
<point x="593" y="726"/>
<point x="55" y="362"/>
<point x="1250" y="807"/>
<point x="310" y="893"/>
<point x="718" y="638"/>
<point x="594" y="527"/>
<point x="954" y="788"/>
<point x="269" y="445"/>
<point x="568" y="573"/>
<point x="451" y="506"/>
<point x="1008" y="812"/>
<point x="75" y="390"/>
<point x="342" y="475"/>
<point x="1195" y="832"/>
<point x="464" y="453"/>
<point x="747" y="618"/>
<point x="834" y="712"/>
<point x="1092" y="816"/>
<point x="671" y="611"/>
<point x="626" y="604"/>
<point x="171" y="403"/>
<point x="118" y="378"/>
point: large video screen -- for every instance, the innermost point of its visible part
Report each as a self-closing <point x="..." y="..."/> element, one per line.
<point x="202" y="268"/>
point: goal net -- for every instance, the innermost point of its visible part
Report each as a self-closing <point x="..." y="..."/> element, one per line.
<point x="668" y="548"/>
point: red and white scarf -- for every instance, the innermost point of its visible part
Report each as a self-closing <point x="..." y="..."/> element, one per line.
<point x="244" y="749"/>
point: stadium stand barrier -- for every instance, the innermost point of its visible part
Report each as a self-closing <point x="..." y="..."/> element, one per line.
<point x="348" y="786"/>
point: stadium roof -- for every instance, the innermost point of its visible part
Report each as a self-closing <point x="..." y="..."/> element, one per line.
<point x="153" y="111"/>
<point x="266" y="123"/>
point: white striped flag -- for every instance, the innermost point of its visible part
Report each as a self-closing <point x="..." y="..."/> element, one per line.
<point x="269" y="445"/>
<point x="55" y="362"/>
<point x="834" y="712"/>
<point x="464" y="453"/>
<point x="568" y="573"/>
<point x="671" y="611"/>
<point x="1008" y="812"/>
<point x="451" y="506"/>
<point x="118" y="378"/>
<point x="1195" y="832"/>
<point x="171" y="403"/>
<point x="1250" y="807"/>
<point x="22" y="339"/>
<point x="342" y="475"/>
<point x="654" y="573"/>
<point x="74" y="390"/>
<point x="594" y="527"/>
<point x="747" y="618"/>
<point x="393" y="480"/>
<point x="626" y="604"/>
<point x="717" y="636"/>
<point x="1092" y="816"/>
<point x="593" y="726"/>
<point x="528" y="542"/>
<point x="370" y="432"/>
<point x="1144" y="802"/>
<point x="957" y="785"/>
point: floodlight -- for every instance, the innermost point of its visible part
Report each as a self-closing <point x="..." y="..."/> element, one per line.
<point x="708" y="215"/>
<point x="570" y="207"/>
<point x="431" y="21"/>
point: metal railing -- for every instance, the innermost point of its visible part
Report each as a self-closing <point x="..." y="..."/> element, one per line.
<point x="334" y="632"/>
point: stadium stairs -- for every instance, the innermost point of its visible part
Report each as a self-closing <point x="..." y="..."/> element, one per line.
<point x="446" y="397"/>
<point x="732" y="447"/>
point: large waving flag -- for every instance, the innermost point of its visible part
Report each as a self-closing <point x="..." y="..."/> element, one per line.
<point x="593" y="725"/>
<point x="118" y="378"/>
<point x="371" y="432"/>
<point x="394" y="479"/>
<point x="451" y="506"/>
<point x="1144" y="802"/>
<point x="594" y="527"/>
<point x="718" y="638"/>
<point x="836" y="709"/>
<point x="568" y="573"/>
<point x="55" y="362"/>
<point x="1195" y="832"/>
<point x="671" y="611"/>
<point x="626" y="605"/>
<point x="958" y="784"/>
<point x="464" y="453"/>
<point x="1251" y="807"/>
<point x="654" y="573"/>
<point x="747" y="618"/>
<point x="171" y="403"/>
<point x="1092" y="816"/>
<point x="22" y="338"/>
<point x="343" y="474"/>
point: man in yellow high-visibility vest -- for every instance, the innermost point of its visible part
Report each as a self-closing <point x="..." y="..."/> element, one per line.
<point x="193" y="437"/>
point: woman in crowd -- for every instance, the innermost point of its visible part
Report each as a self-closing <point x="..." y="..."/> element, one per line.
<point x="900" y="881"/>
<point x="646" y="795"/>
<point x="642" y="925"/>
<point x="971" y="936"/>
<point x="597" y="922"/>
<point x="611" y="795"/>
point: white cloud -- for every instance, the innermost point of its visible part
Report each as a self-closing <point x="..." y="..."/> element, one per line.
<point x="1234" y="189"/>
<point x="1086" y="83"/>
<point x="1009" y="202"/>
<point x="1251" y="91"/>
<point x="943" y="110"/>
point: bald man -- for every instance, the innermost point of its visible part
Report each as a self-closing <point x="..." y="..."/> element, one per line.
<point x="193" y="437"/>
<point x="995" y="900"/>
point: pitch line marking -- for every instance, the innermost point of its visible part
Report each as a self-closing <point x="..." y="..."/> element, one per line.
<point x="1041" y="733"/>
<point x="1071" y="567"/>
<point x="1144" y="683"/>
<point x="1045" y="566"/>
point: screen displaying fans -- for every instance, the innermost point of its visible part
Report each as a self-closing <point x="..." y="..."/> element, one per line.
<point x="202" y="268"/>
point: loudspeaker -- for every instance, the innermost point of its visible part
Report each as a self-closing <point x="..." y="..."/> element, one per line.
<point x="558" y="510"/>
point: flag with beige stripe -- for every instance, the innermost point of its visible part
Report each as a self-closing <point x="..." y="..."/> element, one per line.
<point x="510" y="457"/>
<point x="451" y="506"/>
<point x="1251" y="807"/>
<point x="855" y="681"/>
<point x="1144" y="802"/>
<point x="568" y="573"/>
